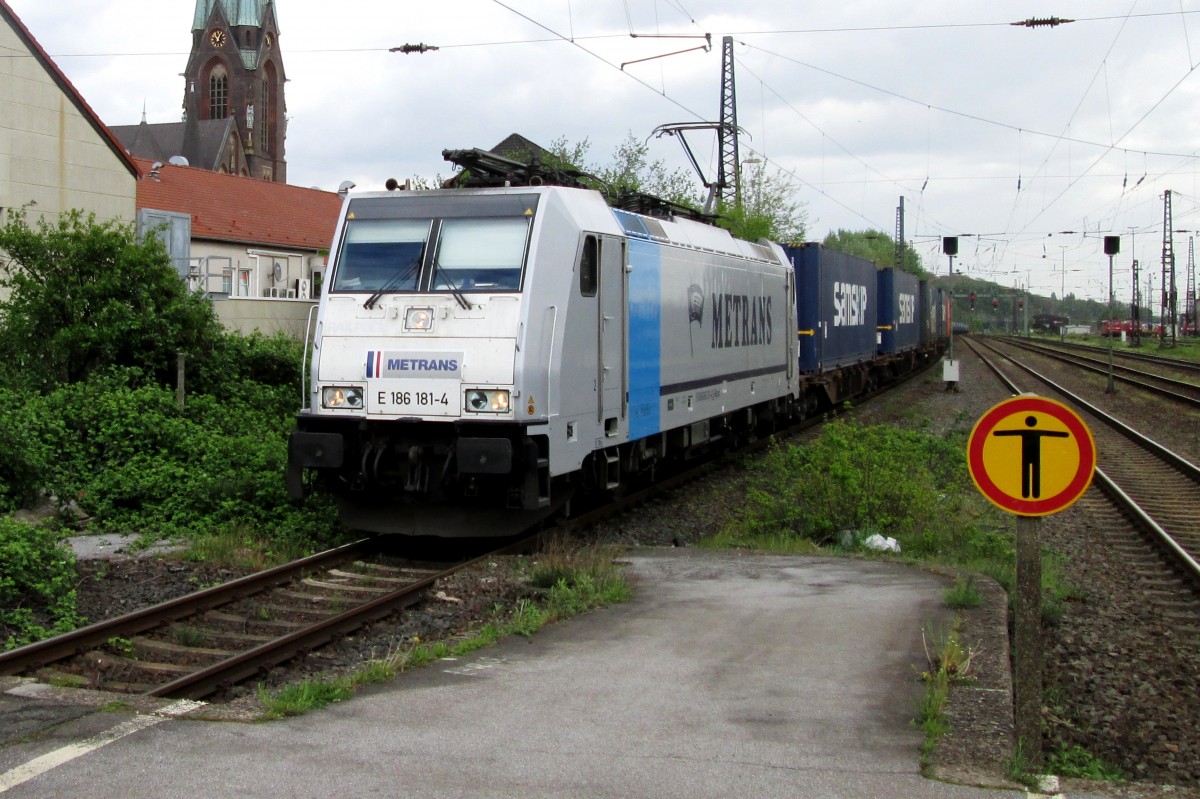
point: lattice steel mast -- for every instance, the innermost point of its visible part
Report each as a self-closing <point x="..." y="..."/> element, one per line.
<point x="1189" y="307"/>
<point x="1168" y="271"/>
<point x="730" y="169"/>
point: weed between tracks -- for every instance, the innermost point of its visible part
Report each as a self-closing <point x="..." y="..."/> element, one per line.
<point x="568" y="581"/>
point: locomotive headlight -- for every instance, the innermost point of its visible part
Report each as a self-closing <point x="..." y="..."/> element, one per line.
<point x="341" y="397"/>
<point x="418" y="319"/>
<point x="490" y="401"/>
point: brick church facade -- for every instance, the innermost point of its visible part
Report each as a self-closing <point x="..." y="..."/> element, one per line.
<point x="234" y="110"/>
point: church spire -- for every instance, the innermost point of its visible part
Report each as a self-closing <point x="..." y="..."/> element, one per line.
<point x="236" y="71"/>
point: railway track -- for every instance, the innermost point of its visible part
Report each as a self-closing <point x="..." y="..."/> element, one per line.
<point x="1150" y="487"/>
<point x="1179" y="365"/>
<point x="1183" y="391"/>
<point x="198" y="645"/>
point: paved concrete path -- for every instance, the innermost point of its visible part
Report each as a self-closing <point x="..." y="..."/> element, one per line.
<point x="727" y="676"/>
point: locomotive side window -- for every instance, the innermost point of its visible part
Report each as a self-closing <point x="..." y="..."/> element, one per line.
<point x="480" y="254"/>
<point x="588" y="261"/>
<point x="382" y="254"/>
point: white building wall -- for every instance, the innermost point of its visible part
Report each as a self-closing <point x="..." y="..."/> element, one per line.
<point x="50" y="154"/>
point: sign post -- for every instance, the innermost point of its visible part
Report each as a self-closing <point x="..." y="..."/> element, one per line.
<point x="1032" y="457"/>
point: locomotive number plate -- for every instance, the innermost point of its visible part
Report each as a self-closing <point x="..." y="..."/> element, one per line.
<point x="424" y="398"/>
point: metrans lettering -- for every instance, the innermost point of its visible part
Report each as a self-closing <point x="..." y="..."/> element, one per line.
<point x="741" y="320"/>
<point x="413" y="364"/>
<point x="422" y="365"/>
<point x="849" y="305"/>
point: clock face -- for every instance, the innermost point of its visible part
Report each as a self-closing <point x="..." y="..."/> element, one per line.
<point x="217" y="38"/>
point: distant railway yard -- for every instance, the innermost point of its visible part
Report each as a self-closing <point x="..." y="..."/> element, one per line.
<point x="1122" y="622"/>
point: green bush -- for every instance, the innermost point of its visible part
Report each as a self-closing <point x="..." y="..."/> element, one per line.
<point x="86" y="296"/>
<point x="137" y="463"/>
<point x="907" y="484"/>
<point x="22" y="458"/>
<point x="37" y="583"/>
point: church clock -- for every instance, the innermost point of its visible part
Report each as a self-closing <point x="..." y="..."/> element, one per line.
<point x="217" y="38"/>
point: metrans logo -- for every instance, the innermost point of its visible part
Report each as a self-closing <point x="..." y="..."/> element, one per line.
<point x="849" y="304"/>
<point x="413" y="364"/>
<point x="741" y="320"/>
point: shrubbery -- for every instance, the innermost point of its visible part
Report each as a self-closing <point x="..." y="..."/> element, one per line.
<point x="89" y="418"/>
<point x="37" y="583"/>
<point x="135" y="463"/>
<point x="856" y="480"/>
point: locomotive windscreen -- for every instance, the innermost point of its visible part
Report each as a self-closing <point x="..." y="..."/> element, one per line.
<point x="423" y="243"/>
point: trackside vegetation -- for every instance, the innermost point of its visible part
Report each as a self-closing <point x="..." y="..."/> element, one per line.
<point x="907" y="483"/>
<point x="92" y="320"/>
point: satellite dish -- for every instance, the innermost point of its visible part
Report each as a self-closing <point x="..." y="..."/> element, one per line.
<point x="277" y="272"/>
<point x="177" y="160"/>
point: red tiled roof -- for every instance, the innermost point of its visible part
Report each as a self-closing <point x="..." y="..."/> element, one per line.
<point x="239" y="209"/>
<point x="10" y="16"/>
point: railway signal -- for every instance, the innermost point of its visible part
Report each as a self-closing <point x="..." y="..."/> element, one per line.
<point x="972" y="300"/>
<point x="995" y="303"/>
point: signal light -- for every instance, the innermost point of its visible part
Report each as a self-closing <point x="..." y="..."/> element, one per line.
<point x="1020" y="305"/>
<point x="972" y="300"/>
<point x="995" y="303"/>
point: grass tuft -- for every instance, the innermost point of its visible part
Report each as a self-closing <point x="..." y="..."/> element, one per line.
<point x="964" y="595"/>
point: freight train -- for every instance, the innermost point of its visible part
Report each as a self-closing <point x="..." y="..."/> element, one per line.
<point x="483" y="356"/>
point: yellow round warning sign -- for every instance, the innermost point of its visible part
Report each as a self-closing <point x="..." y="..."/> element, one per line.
<point x="1031" y="456"/>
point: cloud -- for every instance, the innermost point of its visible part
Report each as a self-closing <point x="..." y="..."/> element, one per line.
<point x="863" y="101"/>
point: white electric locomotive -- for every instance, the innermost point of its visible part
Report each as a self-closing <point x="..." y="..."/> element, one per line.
<point x="494" y="351"/>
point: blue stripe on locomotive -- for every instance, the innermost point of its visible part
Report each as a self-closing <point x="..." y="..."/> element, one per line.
<point x="645" y="346"/>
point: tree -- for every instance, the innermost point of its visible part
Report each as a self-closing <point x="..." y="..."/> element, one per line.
<point x="766" y="210"/>
<point x="877" y="247"/>
<point x="630" y="170"/>
<point x="86" y="296"/>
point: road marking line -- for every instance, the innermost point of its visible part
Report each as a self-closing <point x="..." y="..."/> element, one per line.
<point x="51" y="760"/>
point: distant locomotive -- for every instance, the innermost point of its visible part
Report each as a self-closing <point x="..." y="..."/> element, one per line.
<point x="490" y="353"/>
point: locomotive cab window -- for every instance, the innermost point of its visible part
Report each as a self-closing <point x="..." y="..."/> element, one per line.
<point x="588" y="261"/>
<point x="480" y="255"/>
<point x="382" y="254"/>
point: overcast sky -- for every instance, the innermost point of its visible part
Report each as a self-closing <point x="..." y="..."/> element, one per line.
<point x="1008" y="137"/>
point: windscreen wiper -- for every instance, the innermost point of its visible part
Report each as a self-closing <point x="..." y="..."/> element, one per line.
<point x="395" y="281"/>
<point x="456" y="292"/>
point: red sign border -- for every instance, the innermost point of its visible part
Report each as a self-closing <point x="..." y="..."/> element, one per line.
<point x="1031" y="507"/>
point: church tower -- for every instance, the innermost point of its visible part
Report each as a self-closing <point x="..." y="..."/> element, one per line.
<point x="235" y="72"/>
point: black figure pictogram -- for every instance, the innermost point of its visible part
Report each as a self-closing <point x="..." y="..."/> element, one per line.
<point x="1031" y="455"/>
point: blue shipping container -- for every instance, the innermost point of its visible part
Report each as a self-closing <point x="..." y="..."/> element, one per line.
<point x="899" y="320"/>
<point x="836" y="296"/>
